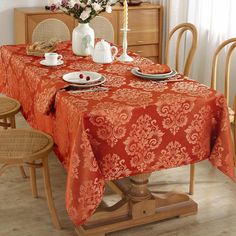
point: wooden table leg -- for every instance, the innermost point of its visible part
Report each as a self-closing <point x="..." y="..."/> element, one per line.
<point x="138" y="206"/>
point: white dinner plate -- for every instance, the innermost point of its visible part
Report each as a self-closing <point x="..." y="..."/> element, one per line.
<point x="74" y="77"/>
<point x="89" y="85"/>
<point x="154" y="75"/>
<point x="45" y="63"/>
<point x="135" y="72"/>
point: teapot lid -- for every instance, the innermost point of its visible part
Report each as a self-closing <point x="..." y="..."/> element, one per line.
<point x="102" y="44"/>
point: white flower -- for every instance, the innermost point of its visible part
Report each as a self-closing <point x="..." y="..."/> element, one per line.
<point x="56" y="2"/>
<point x="108" y="8"/>
<point x="83" y="5"/>
<point x="71" y="3"/>
<point x="96" y="6"/>
<point x="85" y="14"/>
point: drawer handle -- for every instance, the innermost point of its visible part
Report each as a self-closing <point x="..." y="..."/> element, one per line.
<point x="140" y="41"/>
<point x="139" y="51"/>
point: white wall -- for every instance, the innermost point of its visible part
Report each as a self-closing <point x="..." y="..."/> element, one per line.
<point x="7" y="17"/>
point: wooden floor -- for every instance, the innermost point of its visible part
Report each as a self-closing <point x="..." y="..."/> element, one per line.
<point x="21" y="215"/>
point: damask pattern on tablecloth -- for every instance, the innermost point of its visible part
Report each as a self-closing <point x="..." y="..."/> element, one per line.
<point x="110" y="120"/>
<point x="144" y="137"/>
<point x="192" y="88"/>
<point x="200" y="140"/>
<point x="114" y="167"/>
<point x="174" y="108"/>
<point x="149" y="85"/>
<point x="90" y="162"/>
<point x="114" y="81"/>
<point x="132" y="97"/>
<point x="173" y="155"/>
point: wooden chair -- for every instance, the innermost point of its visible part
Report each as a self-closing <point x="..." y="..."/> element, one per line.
<point x="232" y="45"/>
<point x="103" y="28"/>
<point x="232" y="115"/>
<point x="29" y="148"/>
<point x="8" y="109"/>
<point x="181" y="30"/>
<point x="51" y="28"/>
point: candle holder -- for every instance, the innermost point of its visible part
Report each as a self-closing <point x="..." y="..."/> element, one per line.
<point x="124" y="56"/>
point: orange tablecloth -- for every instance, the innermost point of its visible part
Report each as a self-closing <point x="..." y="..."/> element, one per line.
<point x="137" y="126"/>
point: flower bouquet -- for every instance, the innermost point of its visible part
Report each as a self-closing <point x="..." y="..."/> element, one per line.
<point x="84" y="11"/>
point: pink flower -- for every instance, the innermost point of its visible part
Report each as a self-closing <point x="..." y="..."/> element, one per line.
<point x="54" y="7"/>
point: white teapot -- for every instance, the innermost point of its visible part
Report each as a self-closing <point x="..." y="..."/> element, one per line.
<point x="102" y="52"/>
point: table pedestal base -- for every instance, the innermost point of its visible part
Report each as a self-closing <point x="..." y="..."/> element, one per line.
<point x="137" y="207"/>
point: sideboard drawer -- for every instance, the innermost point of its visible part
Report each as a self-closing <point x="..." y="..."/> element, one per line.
<point x="144" y="26"/>
<point x="145" y="50"/>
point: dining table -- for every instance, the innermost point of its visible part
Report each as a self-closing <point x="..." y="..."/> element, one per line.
<point x="131" y="128"/>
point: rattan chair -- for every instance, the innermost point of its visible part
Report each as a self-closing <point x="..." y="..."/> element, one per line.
<point x="49" y="29"/>
<point x="229" y="45"/>
<point x="29" y="148"/>
<point x="232" y="115"/>
<point x="8" y="109"/>
<point x="181" y="30"/>
<point x="103" y="28"/>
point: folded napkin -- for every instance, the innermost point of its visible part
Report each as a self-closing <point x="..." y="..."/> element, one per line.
<point x="154" y="69"/>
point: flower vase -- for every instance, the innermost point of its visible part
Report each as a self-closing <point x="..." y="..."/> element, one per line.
<point x="83" y="40"/>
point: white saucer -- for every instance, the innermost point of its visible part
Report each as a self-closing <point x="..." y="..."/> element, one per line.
<point x="45" y="63"/>
<point x="74" y="77"/>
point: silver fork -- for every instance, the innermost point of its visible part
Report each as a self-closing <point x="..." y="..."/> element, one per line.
<point x="89" y="90"/>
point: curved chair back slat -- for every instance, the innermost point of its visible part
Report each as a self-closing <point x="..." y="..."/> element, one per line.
<point x="229" y="55"/>
<point x="181" y="29"/>
<point x="51" y="28"/>
<point x="103" y="28"/>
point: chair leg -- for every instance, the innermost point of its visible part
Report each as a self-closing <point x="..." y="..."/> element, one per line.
<point x="5" y="123"/>
<point x="48" y="191"/>
<point x="22" y="172"/>
<point x="192" y="179"/>
<point x="13" y="122"/>
<point x="33" y="182"/>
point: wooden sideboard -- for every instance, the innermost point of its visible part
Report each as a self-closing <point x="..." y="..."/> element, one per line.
<point x="145" y="23"/>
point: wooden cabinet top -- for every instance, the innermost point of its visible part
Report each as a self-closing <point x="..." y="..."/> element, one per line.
<point x="41" y="10"/>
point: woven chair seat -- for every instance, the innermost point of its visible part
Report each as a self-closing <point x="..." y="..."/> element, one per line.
<point x="23" y="145"/>
<point x="8" y="106"/>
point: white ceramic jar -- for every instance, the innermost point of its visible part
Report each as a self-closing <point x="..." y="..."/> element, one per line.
<point x="82" y="40"/>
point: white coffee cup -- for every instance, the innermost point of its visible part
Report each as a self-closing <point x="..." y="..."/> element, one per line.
<point x="52" y="58"/>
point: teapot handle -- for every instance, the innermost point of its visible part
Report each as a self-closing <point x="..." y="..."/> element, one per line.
<point x="115" y="52"/>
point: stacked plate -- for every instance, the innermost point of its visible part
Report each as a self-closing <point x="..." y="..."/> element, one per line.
<point x="138" y="73"/>
<point x="84" y="79"/>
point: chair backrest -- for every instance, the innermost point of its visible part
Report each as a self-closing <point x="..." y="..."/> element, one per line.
<point x="51" y="28"/>
<point x="103" y="28"/>
<point x="181" y="29"/>
<point x="232" y="43"/>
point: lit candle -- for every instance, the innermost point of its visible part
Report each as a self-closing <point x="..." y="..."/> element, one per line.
<point x="125" y="26"/>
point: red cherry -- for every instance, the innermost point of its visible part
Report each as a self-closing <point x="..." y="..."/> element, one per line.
<point x="88" y="78"/>
<point x="81" y="76"/>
